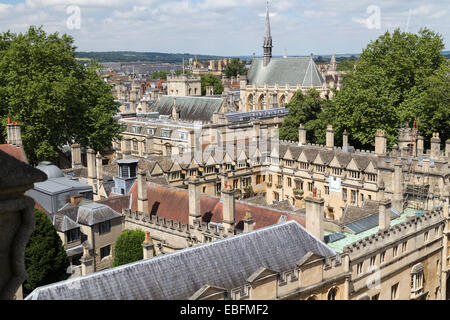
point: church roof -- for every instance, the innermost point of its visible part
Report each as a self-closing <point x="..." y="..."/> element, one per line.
<point x="190" y="108"/>
<point x="226" y="263"/>
<point x="285" y="71"/>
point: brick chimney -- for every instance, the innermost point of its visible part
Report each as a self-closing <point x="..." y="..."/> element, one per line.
<point x="76" y="156"/>
<point x="75" y="200"/>
<point x="147" y="246"/>
<point x="314" y="216"/>
<point x="301" y="134"/>
<point x="194" y="201"/>
<point x="228" y="204"/>
<point x="142" y="192"/>
<point x="330" y="137"/>
<point x="248" y="221"/>
<point x="87" y="262"/>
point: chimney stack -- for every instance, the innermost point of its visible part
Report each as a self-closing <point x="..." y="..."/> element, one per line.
<point x="99" y="167"/>
<point x="14" y="135"/>
<point x="397" y="190"/>
<point x="87" y="262"/>
<point x="435" y="145"/>
<point x="92" y="174"/>
<point x="380" y="143"/>
<point x="345" y="139"/>
<point x="228" y="205"/>
<point x="76" y="156"/>
<point x="301" y="134"/>
<point x="420" y="149"/>
<point x="447" y="148"/>
<point x="384" y="212"/>
<point x="330" y="137"/>
<point x="142" y="192"/>
<point x="194" y="201"/>
<point x="314" y="216"/>
<point x="248" y="221"/>
<point x="147" y="246"/>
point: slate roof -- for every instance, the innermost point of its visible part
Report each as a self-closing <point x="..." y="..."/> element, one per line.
<point x="282" y="71"/>
<point x="173" y="203"/>
<point x="63" y="223"/>
<point x="91" y="213"/>
<point x="191" y="108"/>
<point x="226" y="263"/>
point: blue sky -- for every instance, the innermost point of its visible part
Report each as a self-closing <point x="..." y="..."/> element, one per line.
<point x="226" y="27"/>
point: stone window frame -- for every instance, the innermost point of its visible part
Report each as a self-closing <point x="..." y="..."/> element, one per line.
<point x="417" y="279"/>
<point x="102" y="252"/>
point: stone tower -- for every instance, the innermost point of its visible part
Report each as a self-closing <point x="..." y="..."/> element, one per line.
<point x="267" y="39"/>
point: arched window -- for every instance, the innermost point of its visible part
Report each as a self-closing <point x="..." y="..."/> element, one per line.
<point x="249" y="106"/>
<point x="332" y="294"/>
<point x="312" y="297"/>
<point x="260" y="104"/>
<point x="417" y="280"/>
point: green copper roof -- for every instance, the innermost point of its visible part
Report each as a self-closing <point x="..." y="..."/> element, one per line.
<point x="292" y="71"/>
<point x="350" y="238"/>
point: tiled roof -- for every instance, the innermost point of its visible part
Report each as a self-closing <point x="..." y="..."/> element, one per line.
<point x="292" y="71"/>
<point x="173" y="203"/>
<point x="228" y="263"/>
<point x="14" y="151"/>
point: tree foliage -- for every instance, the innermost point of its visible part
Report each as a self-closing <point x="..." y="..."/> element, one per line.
<point x="211" y="80"/>
<point x="234" y="68"/>
<point x="160" y="75"/>
<point x="55" y="99"/>
<point x="303" y="109"/>
<point x="129" y="247"/>
<point x="46" y="260"/>
<point x="398" y="76"/>
<point x="181" y="71"/>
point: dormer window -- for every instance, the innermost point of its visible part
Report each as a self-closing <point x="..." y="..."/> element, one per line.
<point x="183" y="135"/>
<point x="371" y="177"/>
<point x="289" y="163"/>
<point x="73" y="235"/>
<point x="354" y="174"/>
<point x="336" y="171"/>
<point x="165" y="133"/>
<point x="151" y="131"/>
<point x="320" y="168"/>
<point x="304" y="165"/>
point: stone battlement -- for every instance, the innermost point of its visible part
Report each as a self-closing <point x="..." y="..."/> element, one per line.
<point x="153" y="221"/>
<point x="395" y="233"/>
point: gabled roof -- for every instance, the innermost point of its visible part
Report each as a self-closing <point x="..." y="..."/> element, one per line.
<point x="91" y="214"/>
<point x="14" y="151"/>
<point x="226" y="263"/>
<point x="291" y="71"/>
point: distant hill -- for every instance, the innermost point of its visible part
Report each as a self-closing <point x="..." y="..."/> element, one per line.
<point x="131" y="56"/>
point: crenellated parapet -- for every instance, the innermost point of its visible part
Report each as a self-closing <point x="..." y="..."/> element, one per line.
<point x="413" y="226"/>
<point x="155" y="222"/>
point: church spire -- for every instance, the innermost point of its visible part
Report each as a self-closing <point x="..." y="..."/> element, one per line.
<point x="267" y="39"/>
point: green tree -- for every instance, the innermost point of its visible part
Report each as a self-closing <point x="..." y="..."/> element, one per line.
<point x="46" y="260"/>
<point x="181" y="71"/>
<point x="303" y="109"/>
<point x="129" y="247"/>
<point x="211" y="80"/>
<point x="55" y="99"/>
<point x="234" y="68"/>
<point x="398" y="76"/>
<point x="161" y="75"/>
<point x="346" y="65"/>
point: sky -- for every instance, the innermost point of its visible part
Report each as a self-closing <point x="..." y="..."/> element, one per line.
<point x="226" y="27"/>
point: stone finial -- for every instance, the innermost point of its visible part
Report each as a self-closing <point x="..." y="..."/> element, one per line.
<point x="248" y="215"/>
